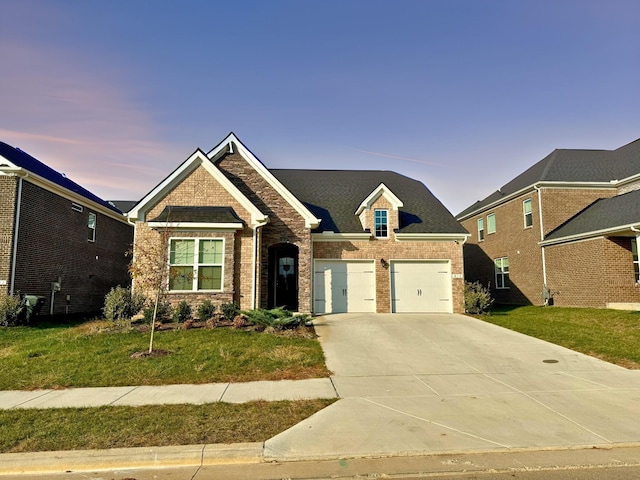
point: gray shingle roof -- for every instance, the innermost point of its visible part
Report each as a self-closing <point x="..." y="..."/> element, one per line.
<point x="334" y="196"/>
<point x="569" y="165"/>
<point x="178" y="213"/>
<point x="605" y="214"/>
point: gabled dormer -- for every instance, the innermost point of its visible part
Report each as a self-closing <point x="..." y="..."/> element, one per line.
<point x="379" y="212"/>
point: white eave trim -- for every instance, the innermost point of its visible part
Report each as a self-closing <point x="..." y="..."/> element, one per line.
<point x="597" y="185"/>
<point x="196" y="226"/>
<point x="588" y="235"/>
<point x="380" y="190"/>
<point x="339" y="237"/>
<point x="63" y="192"/>
<point x="432" y="237"/>
<point x="196" y="159"/>
<point x="310" y="220"/>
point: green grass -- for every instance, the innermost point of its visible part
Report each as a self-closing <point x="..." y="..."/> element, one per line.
<point x="61" y="356"/>
<point x="116" y="427"/>
<point x="612" y="335"/>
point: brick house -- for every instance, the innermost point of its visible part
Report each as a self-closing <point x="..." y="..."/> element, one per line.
<point x="310" y="240"/>
<point x="567" y="229"/>
<point x="57" y="240"/>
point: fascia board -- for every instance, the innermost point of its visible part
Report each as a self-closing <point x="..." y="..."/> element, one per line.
<point x="596" y="233"/>
<point x="432" y="237"/>
<point x="309" y="219"/>
<point x="522" y="191"/>
<point x="196" y="226"/>
<point x="339" y="237"/>
<point x="383" y="190"/>
<point x="70" y="195"/>
<point x="160" y="190"/>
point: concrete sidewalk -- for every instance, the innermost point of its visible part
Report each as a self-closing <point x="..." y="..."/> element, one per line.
<point x="169" y="394"/>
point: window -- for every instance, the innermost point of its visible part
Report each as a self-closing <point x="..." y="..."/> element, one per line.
<point x="195" y="264"/>
<point x="480" y="229"/>
<point x="636" y="263"/>
<point x="491" y="223"/>
<point x="381" y="223"/>
<point x="91" y="227"/>
<point x="502" y="272"/>
<point x="526" y="210"/>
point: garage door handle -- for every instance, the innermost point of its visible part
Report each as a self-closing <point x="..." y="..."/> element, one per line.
<point x="419" y="292"/>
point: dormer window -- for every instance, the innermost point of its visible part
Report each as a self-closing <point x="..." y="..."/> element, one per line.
<point x="381" y="223"/>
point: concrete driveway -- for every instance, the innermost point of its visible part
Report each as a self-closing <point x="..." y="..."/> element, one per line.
<point x="436" y="383"/>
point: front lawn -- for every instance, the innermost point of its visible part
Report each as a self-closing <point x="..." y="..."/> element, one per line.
<point x="612" y="335"/>
<point x="62" y="356"/>
<point x="153" y="425"/>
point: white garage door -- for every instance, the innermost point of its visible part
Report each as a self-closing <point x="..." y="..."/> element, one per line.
<point x="421" y="287"/>
<point x="344" y="286"/>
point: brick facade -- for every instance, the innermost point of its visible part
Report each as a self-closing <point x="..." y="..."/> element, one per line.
<point x="591" y="273"/>
<point x="53" y="246"/>
<point x="8" y="190"/>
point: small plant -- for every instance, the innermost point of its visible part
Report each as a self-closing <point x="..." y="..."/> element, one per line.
<point x="11" y="311"/>
<point x="477" y="299"/>
<point x="240" y="321"/>
<point x="122" y="304"/>
<point x="182" y="313"/>
<point x="206" y="310"/>
<point x="276" y="319"/>
<point x="229" y="310"/>
<point x="164" y="314"/>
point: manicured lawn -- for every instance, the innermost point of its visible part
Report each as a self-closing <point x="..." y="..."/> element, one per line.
<point x="61" y="356"/>
<point x="115" y="427"/>
<point x="612" y="335"/>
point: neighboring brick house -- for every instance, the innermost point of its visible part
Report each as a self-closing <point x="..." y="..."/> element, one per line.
<point x="567" y="228"/>
<point x="310" y="240"/>
<point x="57" y="240"/>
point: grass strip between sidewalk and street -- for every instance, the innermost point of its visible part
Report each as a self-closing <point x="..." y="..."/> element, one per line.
<point x="116" y="427"/>
<point x="90" y="355"/>
<point x="611" y="335"/>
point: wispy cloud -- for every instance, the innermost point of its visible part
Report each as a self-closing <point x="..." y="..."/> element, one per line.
<point x="397" y="157"/>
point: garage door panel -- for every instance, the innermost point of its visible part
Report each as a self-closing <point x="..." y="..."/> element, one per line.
<point x="421" y="287"/>
<point x="344" y="286"/>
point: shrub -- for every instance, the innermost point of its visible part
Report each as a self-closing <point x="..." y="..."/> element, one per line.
<point x="122" y="304"/>
<point x="182" y="313"/>
<point x="206" y="310"/>
<point x="164" y="314"/>
<point x="229" y="310"/>
<point x="11" y="311"/>
<point x="277" y="318"/>
<point x="477" y="299"/>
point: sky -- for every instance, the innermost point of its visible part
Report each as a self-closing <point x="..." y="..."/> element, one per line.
<point x="462" y="95"/>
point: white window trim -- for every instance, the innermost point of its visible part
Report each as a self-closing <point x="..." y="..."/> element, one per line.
<point x="489" y="231"/>
<point x="93" y="229"/>
<point x="375" y="232"/>
<point x="196" y="265"/>
<point x="481" y="230"/>
<point x="524" y="213"/>
<point x="502" y="273"/>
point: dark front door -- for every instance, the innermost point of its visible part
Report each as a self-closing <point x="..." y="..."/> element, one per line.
<point x="283" y="276"/>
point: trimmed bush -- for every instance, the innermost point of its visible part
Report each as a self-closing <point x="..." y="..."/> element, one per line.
<point x="206" y="310"/>
<point x="182" y="313"/>
<point x="122" y="304"/>
<point x="164" y="314"/>
<point x="11" y="311"/>
<point x="477" y="299"/>
<point x="229" y="310"/>
<point x="277" y="318"/>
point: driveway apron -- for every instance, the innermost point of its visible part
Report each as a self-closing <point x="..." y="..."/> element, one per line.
<point x="438" y="383"/>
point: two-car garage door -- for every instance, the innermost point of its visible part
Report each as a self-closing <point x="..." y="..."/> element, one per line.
<point x="350" y="286"/>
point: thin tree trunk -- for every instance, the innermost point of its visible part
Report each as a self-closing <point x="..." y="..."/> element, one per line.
<point x="153" y="321"/>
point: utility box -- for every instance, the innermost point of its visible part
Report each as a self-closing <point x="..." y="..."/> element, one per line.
<point x="32" y="305"/>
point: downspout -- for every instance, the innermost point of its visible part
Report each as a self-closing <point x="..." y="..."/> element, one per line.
<point x="544" y="261"/>
<point x="16" y="228"/>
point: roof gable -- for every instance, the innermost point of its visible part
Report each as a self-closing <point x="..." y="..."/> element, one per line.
<point x="198" y="158"/>
<point x="381" y="191"/>
<point x="232" y="142"/>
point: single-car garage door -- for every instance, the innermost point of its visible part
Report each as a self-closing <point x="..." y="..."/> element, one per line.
<point x="421" y="286"/>
<point x="344" y="286"/>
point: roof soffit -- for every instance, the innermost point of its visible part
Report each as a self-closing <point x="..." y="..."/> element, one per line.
<point x="231" y="141"/>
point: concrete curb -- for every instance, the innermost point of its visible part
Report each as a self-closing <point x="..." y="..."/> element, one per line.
<point x="140" y="457"/>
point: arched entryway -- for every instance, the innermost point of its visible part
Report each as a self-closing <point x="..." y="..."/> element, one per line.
<point x="283" y="276"/>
